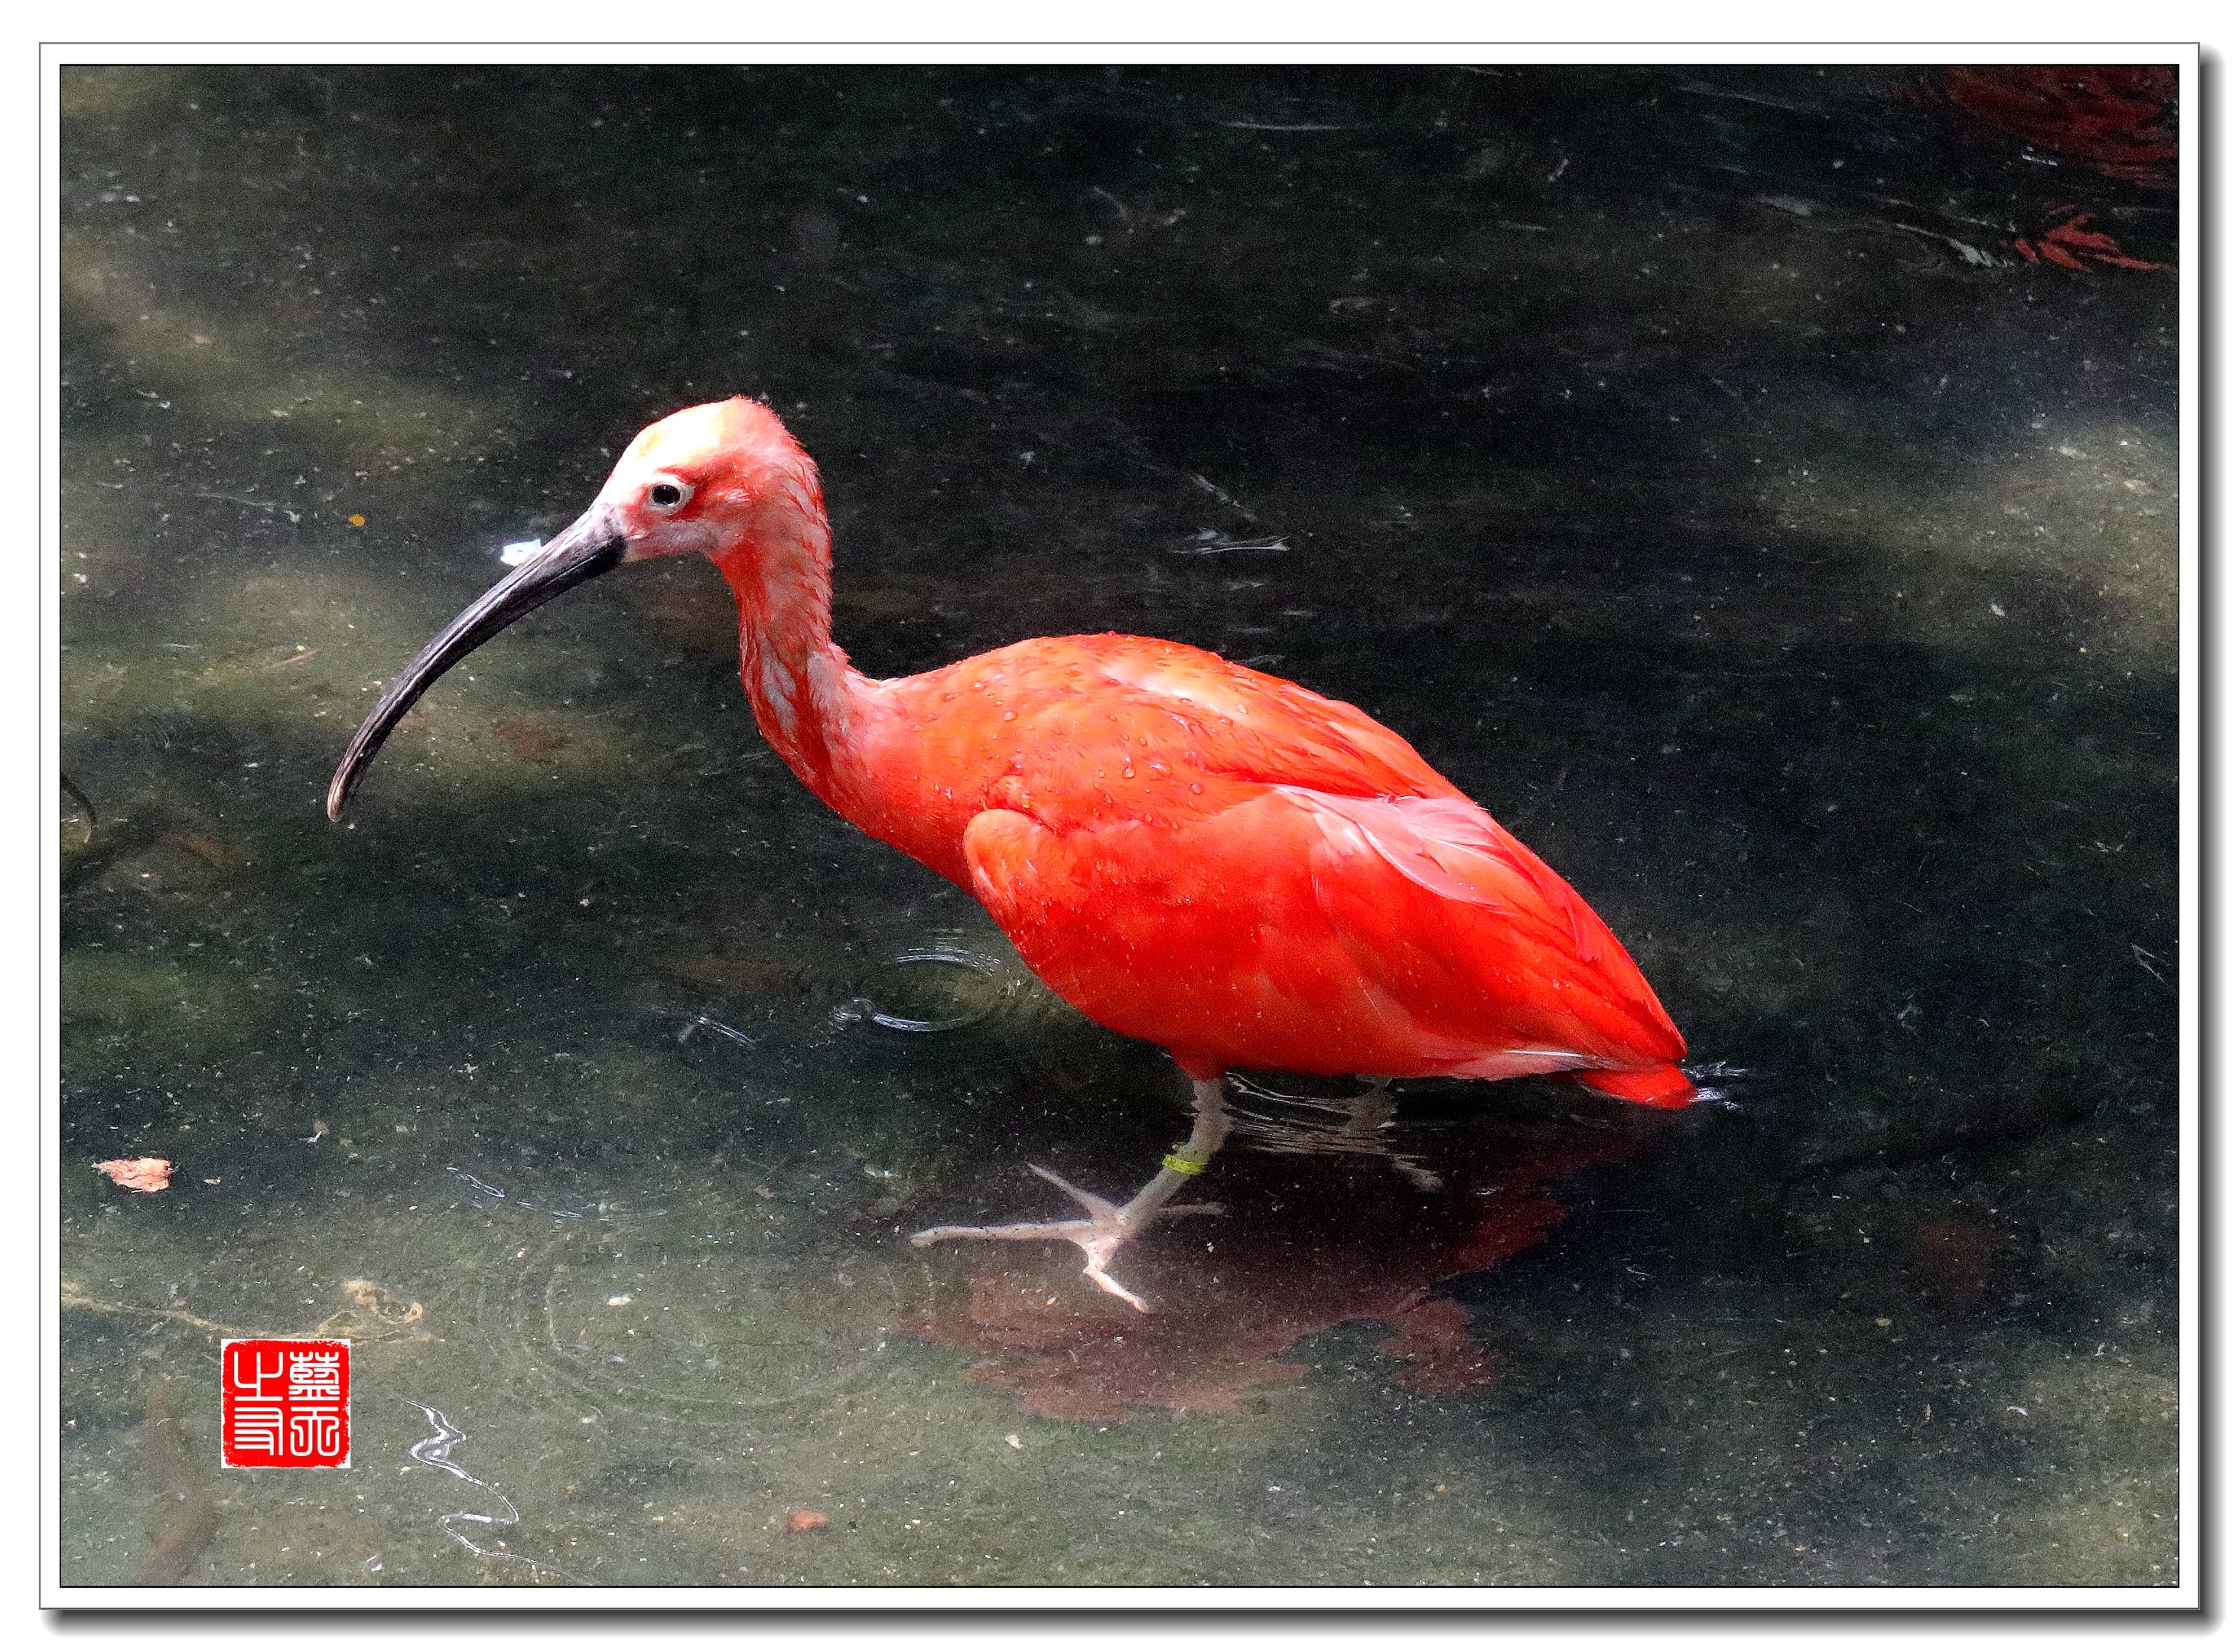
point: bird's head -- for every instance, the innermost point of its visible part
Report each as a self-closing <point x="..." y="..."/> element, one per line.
<point x="720" y="478"/>
<point x="725" y="479"/>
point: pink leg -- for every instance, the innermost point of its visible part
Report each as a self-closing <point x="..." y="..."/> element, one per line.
<point x="1107" y="1226"/>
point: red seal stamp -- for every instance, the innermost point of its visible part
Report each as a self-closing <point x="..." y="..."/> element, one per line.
<point x="286" y="1403"/>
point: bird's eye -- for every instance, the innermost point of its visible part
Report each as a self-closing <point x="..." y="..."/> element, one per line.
<point x="665" y="494"/>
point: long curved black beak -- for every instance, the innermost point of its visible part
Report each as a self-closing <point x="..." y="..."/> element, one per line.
<point x="586" y="549"/>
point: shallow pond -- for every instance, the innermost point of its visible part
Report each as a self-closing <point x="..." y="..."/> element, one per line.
<point x="1701" y="466"/>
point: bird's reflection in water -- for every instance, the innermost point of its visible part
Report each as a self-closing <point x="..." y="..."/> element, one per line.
<point x="1285" y="1121"/>
<point x="1302" y="1248"/>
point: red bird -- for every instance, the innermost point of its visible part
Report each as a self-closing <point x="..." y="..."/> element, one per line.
<point x="1187" y="850"/>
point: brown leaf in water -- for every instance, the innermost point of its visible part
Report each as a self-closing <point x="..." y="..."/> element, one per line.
<point x="139" y="1175"/>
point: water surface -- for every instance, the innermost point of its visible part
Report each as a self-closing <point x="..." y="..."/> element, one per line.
<point x="1690" y="463"/>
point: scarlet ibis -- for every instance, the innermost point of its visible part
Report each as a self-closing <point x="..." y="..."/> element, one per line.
<point x="1186" y="850"/>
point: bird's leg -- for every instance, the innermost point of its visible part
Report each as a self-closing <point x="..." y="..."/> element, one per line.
<point x="1107" y="1226"/>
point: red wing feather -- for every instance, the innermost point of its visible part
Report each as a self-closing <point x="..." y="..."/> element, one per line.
<point x="1431" y="893"/>
<point x="1249" y="726"/>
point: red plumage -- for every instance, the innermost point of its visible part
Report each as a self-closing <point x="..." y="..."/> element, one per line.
<point x="1188" y="851"/>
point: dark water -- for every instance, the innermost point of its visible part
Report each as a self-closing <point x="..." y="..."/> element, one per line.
<point x="1689" y="462"/>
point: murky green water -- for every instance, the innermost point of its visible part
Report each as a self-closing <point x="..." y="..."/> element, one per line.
<point x="1641" y="444"/>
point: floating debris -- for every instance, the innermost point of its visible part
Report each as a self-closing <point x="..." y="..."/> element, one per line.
<point x="709" y="1023"/>
<point x="379" y="1316"/>
<point x="436" y="1452"/>
<point x="376" y="1314"/>
<point x="1210" y="543"/>
<point x="270" y="506"/>
<point x="73" y="1299"/>
<point x="481" y="1186"/>
<point x="2075" y="245"/>
<point x="137" y="1175"/>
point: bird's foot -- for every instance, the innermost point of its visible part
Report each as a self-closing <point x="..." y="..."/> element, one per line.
<point x="1099" y="1234"/>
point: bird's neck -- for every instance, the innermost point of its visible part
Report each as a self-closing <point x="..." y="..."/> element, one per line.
<point x="804" y="693"/>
